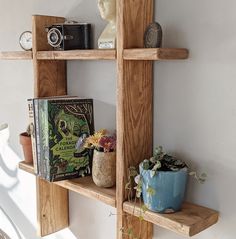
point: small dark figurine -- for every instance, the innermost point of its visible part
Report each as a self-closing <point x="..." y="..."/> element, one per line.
<point x="153" y="36"/>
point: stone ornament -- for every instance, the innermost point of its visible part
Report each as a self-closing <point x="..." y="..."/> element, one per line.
<point x="153" y="36"/>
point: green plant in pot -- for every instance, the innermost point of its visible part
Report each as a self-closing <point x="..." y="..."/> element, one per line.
<point x="162" y="182"/>
<point x="104" y="158"/>
<point x="25" y="141"/>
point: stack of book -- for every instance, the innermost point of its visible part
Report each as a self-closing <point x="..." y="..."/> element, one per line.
<point x="61" y="125"/>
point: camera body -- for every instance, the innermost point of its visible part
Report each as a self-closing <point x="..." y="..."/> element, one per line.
<point x="69" y="36"/>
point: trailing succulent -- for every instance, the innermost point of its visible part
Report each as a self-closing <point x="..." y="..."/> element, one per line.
<point x="161" y="161"/>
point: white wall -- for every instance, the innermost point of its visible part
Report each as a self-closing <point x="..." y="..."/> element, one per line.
<point x="195" y="110"/>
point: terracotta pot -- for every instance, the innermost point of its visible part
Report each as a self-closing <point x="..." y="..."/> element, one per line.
<point x="104" y="169"/>
<point x="25" y="141"/>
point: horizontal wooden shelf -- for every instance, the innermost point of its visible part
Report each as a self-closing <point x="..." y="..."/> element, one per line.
<point x="84" y="186"/>
<point x="16" y="55"/>
<point x="77" y="55"/>
<point x="155" y="54"/>
<point x="96" y="54"/>
<point x="28" y="167"/>
<point x="191" y="220"/>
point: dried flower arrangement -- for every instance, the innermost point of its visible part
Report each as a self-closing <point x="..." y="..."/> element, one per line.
<point x="101" y="141"/>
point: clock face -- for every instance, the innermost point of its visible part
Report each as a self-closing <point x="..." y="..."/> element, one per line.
<point x="26" y="40"/>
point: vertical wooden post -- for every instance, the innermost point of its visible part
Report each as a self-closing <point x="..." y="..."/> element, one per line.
<point x="134" y="103"/>
<point x="50" y="80"/>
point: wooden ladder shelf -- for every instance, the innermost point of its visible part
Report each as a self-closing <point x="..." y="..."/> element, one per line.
<point x="134" y="122"/>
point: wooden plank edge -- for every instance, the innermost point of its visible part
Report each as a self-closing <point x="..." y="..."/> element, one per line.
<point x="169" y="224"/>
<point x="156" y="219"/>
<point x="77" y="55"/>
<point x="203" y="225"/>
<point x="27" y="167"/>
<point x="16" y="55"/>
<point x="155" y="54"/>
<point x="93" y="194"/>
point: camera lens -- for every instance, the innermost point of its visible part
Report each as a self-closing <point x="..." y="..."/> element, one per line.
<point x="54" y="37"/>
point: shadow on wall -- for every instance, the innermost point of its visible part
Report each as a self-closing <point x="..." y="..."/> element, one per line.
<point x="3" y="235"/>
<point x="12" y="219"/>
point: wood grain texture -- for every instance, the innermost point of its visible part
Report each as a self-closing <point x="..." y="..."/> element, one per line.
<point x="77" y="55"/>
<point x="52" y="205"/>
<point x="50" y="76"/>
<point x="86" y="187"/>
<point x="27" y="167"/>
<point x="156" y="54"/>
<point x="191" y="220"/>
<point x="16" y="55"/>
<point x="134" y="103"/>
<point x="50" y="80"/>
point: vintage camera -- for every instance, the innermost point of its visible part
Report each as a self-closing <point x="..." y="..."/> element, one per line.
<point x="69" y="36"/>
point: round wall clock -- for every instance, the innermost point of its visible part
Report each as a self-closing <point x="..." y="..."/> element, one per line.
<point x="25" y="40"/>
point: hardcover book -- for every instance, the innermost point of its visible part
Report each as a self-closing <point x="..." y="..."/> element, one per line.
<point x="62" y="125"/>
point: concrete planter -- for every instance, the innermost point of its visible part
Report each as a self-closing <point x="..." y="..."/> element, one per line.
<point x="104" y="169"/>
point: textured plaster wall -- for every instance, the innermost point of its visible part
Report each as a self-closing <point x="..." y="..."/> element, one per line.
<point x="194" y="110"/>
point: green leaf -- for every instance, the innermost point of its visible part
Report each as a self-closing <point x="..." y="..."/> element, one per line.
<point x="144" y="208"/>
<point x="141" y="218"/>
<point x="151" y="191"/>
<point x="157" y="166"/>
<point x="152" y="173"/>
<point x="132" y="172"/>
<point x="145" y="164"/>
<point x="127" y="186"/>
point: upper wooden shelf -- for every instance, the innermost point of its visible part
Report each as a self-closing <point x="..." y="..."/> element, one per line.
<point x="191" y="220"/>
<point x="77" y="55"/>
<point x="155" y="54"/>
<point x="84" y="186"/>
<point x="95" y="54"/>
<point x="16" y="55"/>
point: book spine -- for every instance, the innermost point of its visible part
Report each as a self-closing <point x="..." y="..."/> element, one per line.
<point x="37" y="135"/>
<point x="33" y="133"/>
<point x="44" y="139"/>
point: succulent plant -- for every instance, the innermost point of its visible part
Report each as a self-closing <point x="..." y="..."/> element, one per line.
<point x="163" y="162"/>
<point x="29" y="129"/>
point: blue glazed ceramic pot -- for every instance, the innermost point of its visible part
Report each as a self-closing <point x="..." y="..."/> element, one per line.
<point x="163" y="192"/>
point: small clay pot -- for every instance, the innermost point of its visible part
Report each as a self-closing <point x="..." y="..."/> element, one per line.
<point x="25" y="141"/>
<point x="104" y="169"/>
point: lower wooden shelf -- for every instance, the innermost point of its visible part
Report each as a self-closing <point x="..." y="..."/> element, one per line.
<point x="191" y="220"/>
<point x="84" y="186"/>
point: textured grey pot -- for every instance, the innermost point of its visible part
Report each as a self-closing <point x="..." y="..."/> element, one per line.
<point x="104" y="169"/>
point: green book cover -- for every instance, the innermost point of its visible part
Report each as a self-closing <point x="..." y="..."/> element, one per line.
<point x="63" y="125"/>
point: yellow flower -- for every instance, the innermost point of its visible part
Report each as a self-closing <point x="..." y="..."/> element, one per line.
<point x="93" y="140"/>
